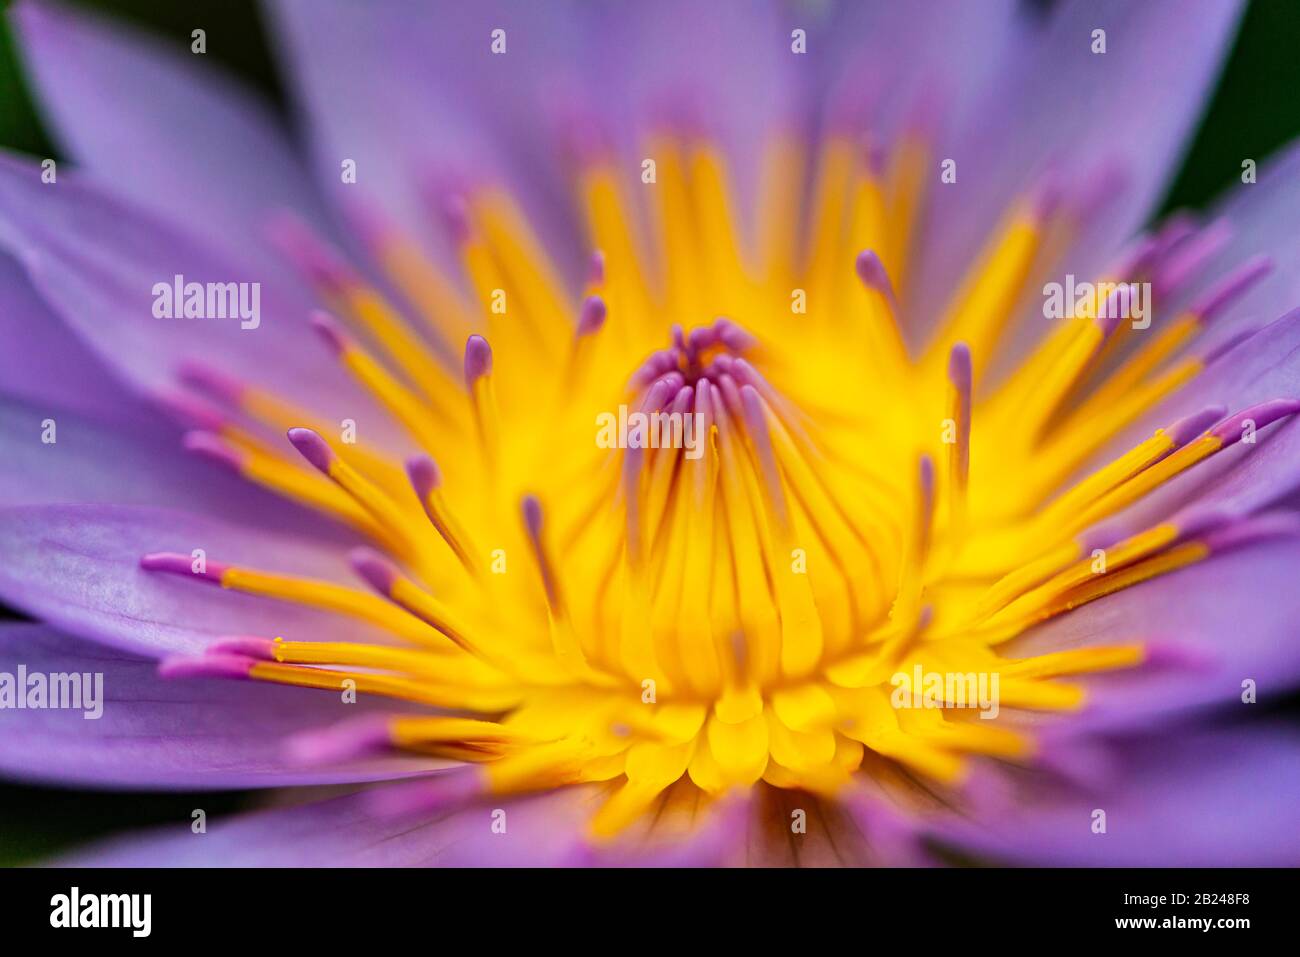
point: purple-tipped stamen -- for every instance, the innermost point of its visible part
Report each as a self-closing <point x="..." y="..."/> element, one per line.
<point x="1189" y="256"/>
<point x="211" y="382"/>
<point x="207" y="666"/>
<point x="174" y="563"/>
<point x="311" y="255"/>
<point x="1190" y="426"/>
<point x="591" y="316"/>
<point x="450" y="789"/>
<point x="455" y="215"/>
<point x="312" y="448"/>
<point x="1117" y="306"/>
<point x="247" y="646"/>
<point x="424" y="474"/>
<point x="873" y="274"/>
<point x="959" y="369"/>
<point x="191" y="411"/>
<point x="1249" y="531"/>
<point x="342" y="742"/>
<point x="478" y="359"/>
<point x="1229" y="342"/>
<point x="1231" y="430"/>
<point x="211" y="447"/>
<point x="374" y="569"/>
<point x="331" y="333"/>
<point x="1231" y="288"/>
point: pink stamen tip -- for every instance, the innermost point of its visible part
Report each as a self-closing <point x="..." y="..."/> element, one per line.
<point x="1113" y="310"/>
<point x="1046" y="198"/>
<point x="730" y="393"/>
<point x="478" y="359"/>
<point x="330" y="331"/>
<point x="592" y="315"/>
<point x="1177" y="654"/>
<point x="1104" y="537"/>
<point x="959" y="367"/>
<point x="875" y="157"/>
<point x="873" y="274"/>
<point x="596" y="269"/>
<point x="657" y="364"/>
<point x="1138" y="259"/>
<point x="733" y="336"/>
<point x="369" y="224"/>
<point x="248" y="646"/>
<point x="313" y="448"/>
<point x="1230" y="342"/>
<point x="1196" y="522"/>
<point x="455" y="214"/>
<point x="207" y="666"/>
<point x="700" y="339"/>
<point x="582" y="137"/>
<point x="342" y="742"/>
<point x="1235" y="285"/>
<point x="377" y="571"/>
<point x="725" y="364"/>
<point x="1189" y="427"/>
<point x="218" y="385"/>
<point x="424" y="474"/>
<point x="925" y="475"/>
<point x="1248" y="531"/>
<point x="212" y="447"/>
<point x="1231" y="430"/>
<point x="752" y="403"/>
<point x="191" y="411"/>
<point x="298" y="243"/>
<point x="444" y="791"/>
<point x="1186" y="257"/>
<point x="175" y="563"/>
<point x="1178" y="227"/>
<point x="668" y="386"/>
<point x="532" y="509"/>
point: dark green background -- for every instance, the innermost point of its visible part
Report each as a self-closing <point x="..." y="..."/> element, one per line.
<point x="1255" y="110"/>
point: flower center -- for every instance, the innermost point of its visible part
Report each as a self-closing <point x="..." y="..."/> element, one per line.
<point x="765" y="593"/>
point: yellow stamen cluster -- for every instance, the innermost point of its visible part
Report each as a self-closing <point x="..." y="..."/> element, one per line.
<point x="653" y="618"/>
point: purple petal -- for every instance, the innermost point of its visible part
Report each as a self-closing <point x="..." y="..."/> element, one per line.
<point x="214" y="148"/>
<point x="1248" y="476"/>
<point x="1259" y="219"/>
<point x="96" y="261"/>
<point x="453" y="112"/>
<point x="43" y="362"/>
<point x="145" y="464"/>
<point x="1058" y="105"/>
<point x="346" y="832"/>
<point x="78" y="567"/>
<point x="155" y="733"/>
<point x="1212" y="625"/>
<point x="889" y="63"/>
<point x="1213" y="799"/>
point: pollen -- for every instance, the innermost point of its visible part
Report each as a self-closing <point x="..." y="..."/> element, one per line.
<point x="756" y="598"/>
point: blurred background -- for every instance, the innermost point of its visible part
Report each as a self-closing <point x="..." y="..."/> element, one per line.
<point x="1242" y="120"/>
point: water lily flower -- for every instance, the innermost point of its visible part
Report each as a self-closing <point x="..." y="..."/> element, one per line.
<point x="945" y="509"/>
